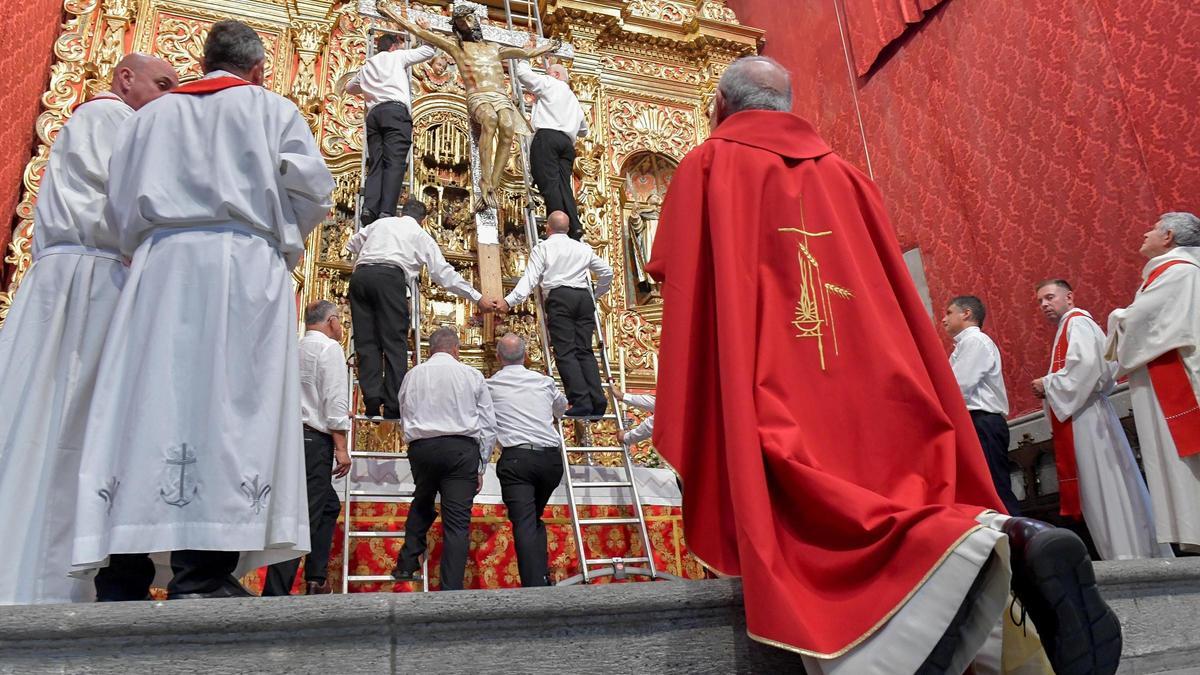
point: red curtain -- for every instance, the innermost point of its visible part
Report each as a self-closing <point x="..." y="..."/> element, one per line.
<point x="875" y="23"/>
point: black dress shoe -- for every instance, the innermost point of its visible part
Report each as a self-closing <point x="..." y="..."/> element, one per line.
<point x="400" y="575"/>
<point x="579" y="411"/>
<point x="1053" y="578"/>
<point x="229" y="588"/>
<point x="318" y="588"/>
<point x="367" y="217"/>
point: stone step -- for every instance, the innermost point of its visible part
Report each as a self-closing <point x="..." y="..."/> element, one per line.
<point x="682" y="627"/>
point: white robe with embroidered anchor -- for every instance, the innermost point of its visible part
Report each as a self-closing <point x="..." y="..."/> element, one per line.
<point x="1112" y="494"/>
<point x="1164" y="323"/>
<point x="194" y="435"/>
<point x="49" y="351"/>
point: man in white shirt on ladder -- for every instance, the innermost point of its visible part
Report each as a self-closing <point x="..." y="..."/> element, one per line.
<point x="563" y="268"/>
<point x="976" y="365"/>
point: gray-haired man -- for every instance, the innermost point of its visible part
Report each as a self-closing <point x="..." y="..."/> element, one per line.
<point x="527" y="403"/>
<point x="450" y="429"/>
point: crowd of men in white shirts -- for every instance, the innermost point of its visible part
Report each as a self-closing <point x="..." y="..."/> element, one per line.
<point x="154" y="398"/>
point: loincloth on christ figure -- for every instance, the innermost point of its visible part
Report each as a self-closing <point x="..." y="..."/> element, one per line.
<point x="498" y="101"/>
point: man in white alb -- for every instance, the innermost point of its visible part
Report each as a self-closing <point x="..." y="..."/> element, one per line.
<point x="388" y="254"/>
<point x="1098" y="477"/>
<point x="450" y="428"/>
<point x="558" y="120"/>
<point x="326" y="417"/>
<point x="976" y="365"/>
<point x="644" y="430"/>
<point x="50" y="344"/>
<point x="1156" y="342"/>
<point x="384" y="83"/>
<point x="194" y="439"/>
<point x="531" y="467"/>
<point x="562" y="267"/>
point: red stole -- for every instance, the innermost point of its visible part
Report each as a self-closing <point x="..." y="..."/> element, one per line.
<point x="1064" y="435"/>
<point x="210" y="85"/>
<point x="102" y="96"/>
<point x="1173" y="388"/>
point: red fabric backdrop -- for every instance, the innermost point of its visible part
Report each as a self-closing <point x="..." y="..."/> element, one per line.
<point x="1012" y="140"/>
<point x="27" y="32"/>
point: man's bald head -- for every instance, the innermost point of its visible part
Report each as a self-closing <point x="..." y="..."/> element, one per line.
<point x="139" y="79"/>
<point x="511" y="349"/>
<point x="752" y="83"/>
<point x="558" y="222"/>
<point x="559" y="72"/>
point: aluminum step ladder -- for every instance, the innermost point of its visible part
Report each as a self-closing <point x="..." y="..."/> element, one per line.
<point x="590" y="568"/>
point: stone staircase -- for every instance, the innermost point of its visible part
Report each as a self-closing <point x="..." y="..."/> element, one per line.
<point x="670" y="627"/>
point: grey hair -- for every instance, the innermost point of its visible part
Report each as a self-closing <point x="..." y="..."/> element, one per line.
<point x="232" y="45"/>
<point x="511" y="349"/>
<point x="1185" y="226"/>
<point x="742" y="89"/>
<point x="319" y="311"/>
<point x="443" y="339"/>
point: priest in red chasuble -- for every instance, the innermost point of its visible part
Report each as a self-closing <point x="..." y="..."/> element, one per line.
<point x="826" y="454"/>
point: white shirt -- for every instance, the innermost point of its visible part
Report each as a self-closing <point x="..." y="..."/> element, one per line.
<point x="556" y="107"/>
<point x="242" y="156"/>
<point x="976" y="364"/>
<point x="70" y="203"/>
<point x="402" y="242"/>
<point x="527" y="403"/>
<point x="384" y="77"/>
<point x="561" y="261"/>
<point x="644" y="430"/>
<point x="445" y="397"/>
<point x="323" y="387"/>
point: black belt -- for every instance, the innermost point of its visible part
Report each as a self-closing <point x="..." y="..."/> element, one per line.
<point x="531" y="446"/>
<point x="316" y="431"/>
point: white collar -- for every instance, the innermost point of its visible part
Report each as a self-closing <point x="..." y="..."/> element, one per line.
<point x="962" y="334"/>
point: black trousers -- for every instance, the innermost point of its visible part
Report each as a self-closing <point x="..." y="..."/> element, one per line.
<point x="389" y="135"/>
<point x="551" y="161"/>
<point x="527" y="478"/>
<point x="992" y="430"/>
<point x="571" y="322"/>
<point x="129" y="575"/>
<point x="323" y="509"/>
<point x="379" y="312"/>
<point x="446" y="466"/>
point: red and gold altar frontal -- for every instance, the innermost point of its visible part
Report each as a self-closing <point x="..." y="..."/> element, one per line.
<point x="645" y="72"/>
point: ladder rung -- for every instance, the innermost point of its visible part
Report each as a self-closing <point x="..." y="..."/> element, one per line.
<point x="602" y="484"/>
<point x="370" y="454"/>
<point x="584" y="522"/>
<point x="376" y="534"/>
<point x="609" y="561"/>
<point x="368" y="418"/>
<point x="379" y="493"/>
<point x="593" y="448"/>
<point x="379" y="577"/>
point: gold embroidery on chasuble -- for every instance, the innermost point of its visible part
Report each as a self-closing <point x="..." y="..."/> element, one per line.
<point x="814" y="317"/>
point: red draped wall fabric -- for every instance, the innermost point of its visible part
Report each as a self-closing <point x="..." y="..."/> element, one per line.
<point x="873" y="24"/>
<point x="27" y="32"/>
<point x="1012" y="140"/>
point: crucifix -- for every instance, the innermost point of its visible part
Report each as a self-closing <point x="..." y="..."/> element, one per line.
<point x="479" y="51"/>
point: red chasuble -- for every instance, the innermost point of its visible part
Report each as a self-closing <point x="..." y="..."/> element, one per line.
<point x="804" y="398"/>
<point x="1064" y="436"/>
<point x="1173" y="388"/>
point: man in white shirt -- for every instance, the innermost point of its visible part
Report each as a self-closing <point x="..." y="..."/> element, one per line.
<point x="193" y="436"/>
<point x="384" y="83"/>
<point x="562" y="267"/>
<point x="388" y="254"/>
<point x="558" y="121"/>
<point x="1098" y="478"/>
<point x="450" y="428"/>
<point x="644" y="430"/>
<point x="326" y="417"/>
<point x="50" y="344"/>
<point x="531" y="466"/>
<point x="1156" y="342"/>
<point x="976" y="365"/>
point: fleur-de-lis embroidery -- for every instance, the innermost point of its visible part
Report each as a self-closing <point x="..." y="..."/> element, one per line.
<point x="109" y="493"/>
<point x="255" y="493"/>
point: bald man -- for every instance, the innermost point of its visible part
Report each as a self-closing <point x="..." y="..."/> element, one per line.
<point x="50" y="343"/>
<point x="558" y="120"/>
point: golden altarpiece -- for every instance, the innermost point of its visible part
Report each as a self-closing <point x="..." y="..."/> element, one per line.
<point x="644" y="70"/>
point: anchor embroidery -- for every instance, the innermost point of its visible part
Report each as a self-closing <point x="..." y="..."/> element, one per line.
<point x="181" y="492"/>
<point x="255" y="493"/>
<point x="109" y="493"/>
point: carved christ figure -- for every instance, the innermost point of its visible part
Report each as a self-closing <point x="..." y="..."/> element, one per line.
<point x="488" y="103"/>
